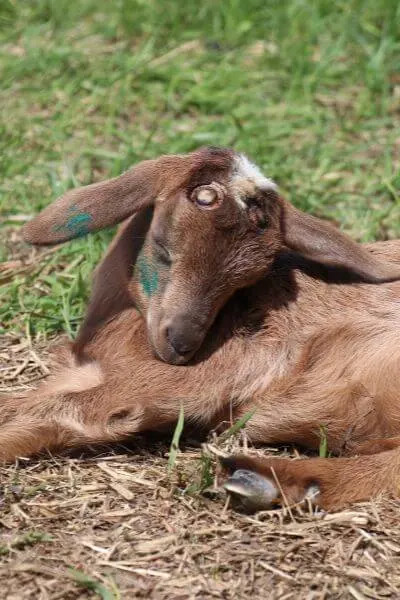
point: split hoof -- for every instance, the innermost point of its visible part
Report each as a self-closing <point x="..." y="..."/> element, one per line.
<point x="262" y="484"/>
<point x="253" y="491"/>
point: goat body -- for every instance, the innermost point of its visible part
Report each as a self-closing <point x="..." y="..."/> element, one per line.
<point x="245" y="305"/>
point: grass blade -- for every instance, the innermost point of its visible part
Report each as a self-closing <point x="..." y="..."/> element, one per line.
<point x="173" y="451"/>
<point x="240" y="423"/>
<point x="87" y="582"/>
<point x="323" y="444"/>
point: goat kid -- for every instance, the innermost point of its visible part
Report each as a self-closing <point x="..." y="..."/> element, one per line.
<point x="219" y="294"/>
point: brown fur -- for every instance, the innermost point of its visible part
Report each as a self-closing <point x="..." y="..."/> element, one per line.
<point x="299" y="337"/>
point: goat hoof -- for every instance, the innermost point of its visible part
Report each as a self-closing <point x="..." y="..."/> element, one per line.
<point x="252" y="490"/>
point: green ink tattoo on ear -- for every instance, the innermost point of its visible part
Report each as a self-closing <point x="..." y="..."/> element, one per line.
<point x="77" y="225"/>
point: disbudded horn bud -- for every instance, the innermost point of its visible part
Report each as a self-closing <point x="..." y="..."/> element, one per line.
<point x="208" y="196"/>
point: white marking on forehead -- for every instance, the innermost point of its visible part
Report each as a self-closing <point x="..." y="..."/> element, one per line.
<point x="243" y="169"/>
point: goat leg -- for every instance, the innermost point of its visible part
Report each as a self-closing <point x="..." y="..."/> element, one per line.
<point x="42" y="421"/>
<point x="330" y="483"/>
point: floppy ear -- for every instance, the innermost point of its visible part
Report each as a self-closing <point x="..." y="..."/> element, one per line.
<point x="86" y="209"/>
<point x="322" y="243"/>
<point x="110" y="291"/>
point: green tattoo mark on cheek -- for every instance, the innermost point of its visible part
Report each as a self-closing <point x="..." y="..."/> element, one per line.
<point x="148" y="275"/>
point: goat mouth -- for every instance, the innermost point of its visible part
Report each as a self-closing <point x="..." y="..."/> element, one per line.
<point x="169" y="355"/>
<point x="172" y="357"/>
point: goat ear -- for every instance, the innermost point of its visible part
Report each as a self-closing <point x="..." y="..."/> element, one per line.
<point x="320" y="242"/>
<point x="110" y="290"/>
<point x="93" y="207"/>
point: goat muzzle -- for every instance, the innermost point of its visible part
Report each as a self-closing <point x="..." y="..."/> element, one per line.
<point x="182" y="336"/>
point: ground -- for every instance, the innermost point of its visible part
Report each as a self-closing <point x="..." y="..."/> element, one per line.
<point x="311" y="91"/>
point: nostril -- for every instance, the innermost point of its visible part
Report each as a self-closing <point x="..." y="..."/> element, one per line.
<point x="179" y="342"/>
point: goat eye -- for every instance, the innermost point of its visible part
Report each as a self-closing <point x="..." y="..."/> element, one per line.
<point x="162" y="253"/>
<point x="208" y="196"/>
<point x="256" y="214"/>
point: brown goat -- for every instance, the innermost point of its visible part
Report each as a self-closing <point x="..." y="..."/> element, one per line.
<point x="245" y="304"/>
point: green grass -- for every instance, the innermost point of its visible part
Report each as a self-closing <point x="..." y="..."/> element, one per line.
<point x="87" y="582"/>
<point x="174" y="448"/>
<point x="28" y="539"/>
<point x="323" y="442"/>
<point x="310" y="90"/>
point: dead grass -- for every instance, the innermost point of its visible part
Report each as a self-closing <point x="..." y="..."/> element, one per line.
<point x="111" y="523"/>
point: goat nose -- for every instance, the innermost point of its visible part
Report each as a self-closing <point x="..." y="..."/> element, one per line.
<point x="184" y="337"/>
